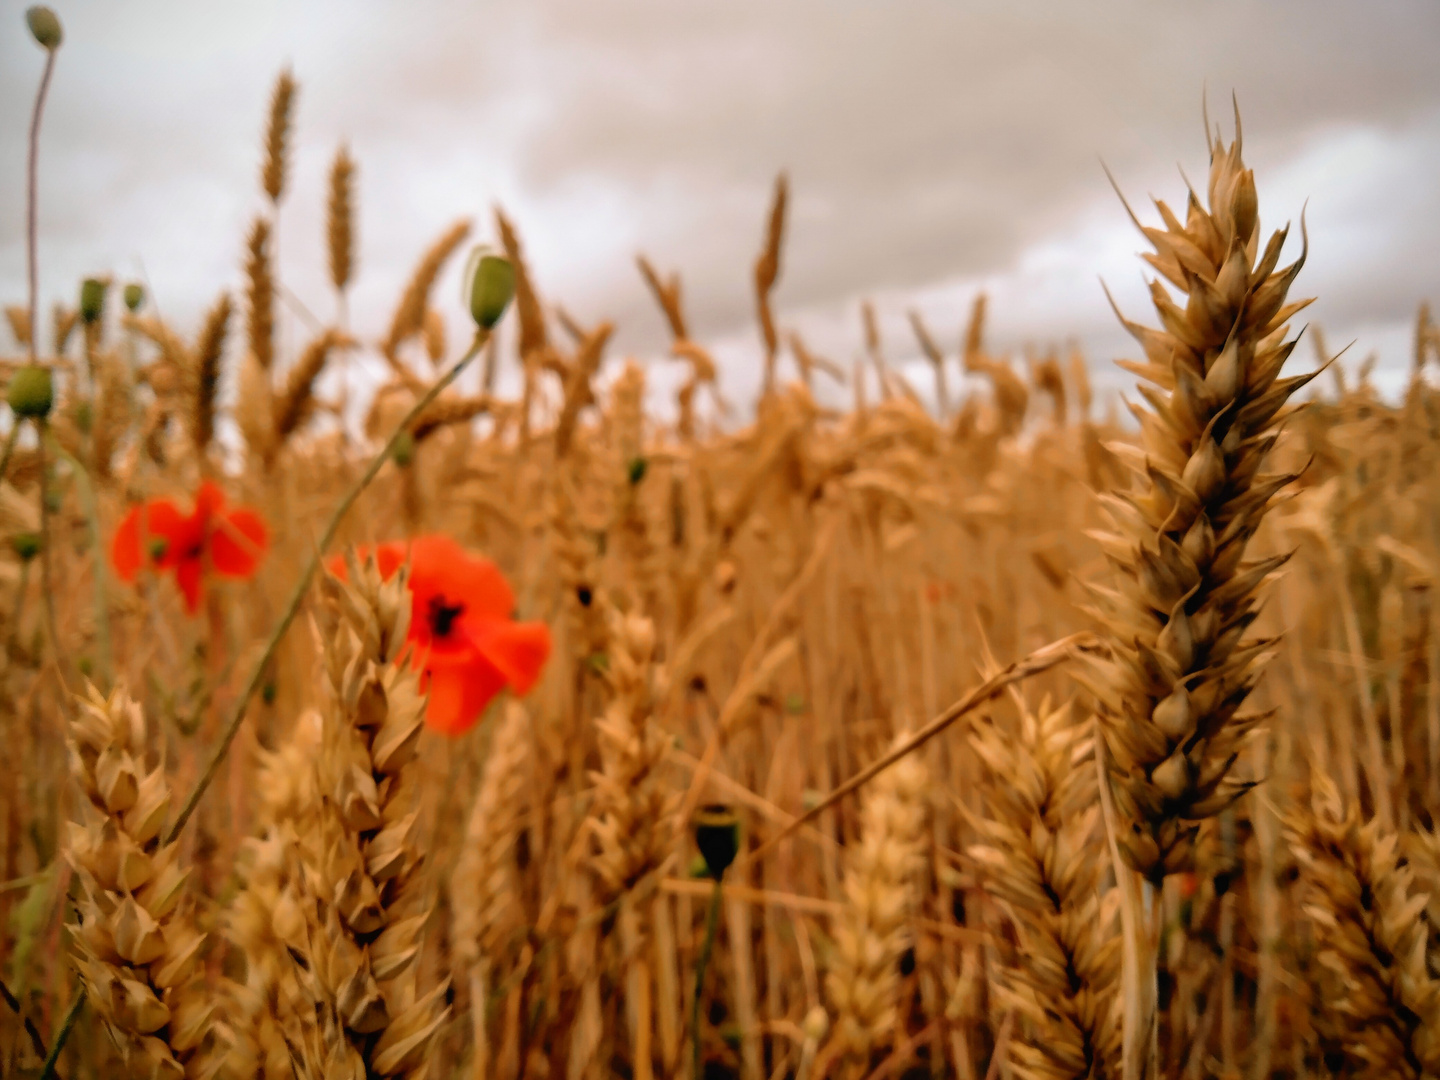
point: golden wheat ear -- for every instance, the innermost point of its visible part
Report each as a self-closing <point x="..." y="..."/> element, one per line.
<point x="1379" y="999"/>
<point x="1036" y="854"/>
<point x="1172" y="693"/>
<point x="364" y="895"/>
<point x="137" y="949"/>
<point x="873" y="931"/>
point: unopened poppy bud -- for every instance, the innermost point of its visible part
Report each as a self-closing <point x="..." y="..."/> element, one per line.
<point x="134" y="296"/>
<point x="717" y="835"/>
<point x="32" y="391"/>
<point x="492" y="284"/>
<point x="26" y="545"/>
<point x="53" y="499"/>
<point x="92" y="300"/>
<point x="44" y="26"/>
<point x="404" y="451"/>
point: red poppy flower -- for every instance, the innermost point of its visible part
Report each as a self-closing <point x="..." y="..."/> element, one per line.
<point x="466" y="642"/>
<point x="229" y="542"/>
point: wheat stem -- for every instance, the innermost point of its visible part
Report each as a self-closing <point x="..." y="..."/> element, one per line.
<point x="712" y="922"/>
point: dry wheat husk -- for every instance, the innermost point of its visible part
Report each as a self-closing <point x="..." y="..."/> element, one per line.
<point x="1378" y="1002"/>
<point x="882" y="867"/>
<point x="137" y="948"/>
<point x="1171" y="696"/>
<point x="364" y="897"/>
<point x="1037" y="856"/>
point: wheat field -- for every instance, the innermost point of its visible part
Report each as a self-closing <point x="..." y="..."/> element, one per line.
<point x="580" y="734"/>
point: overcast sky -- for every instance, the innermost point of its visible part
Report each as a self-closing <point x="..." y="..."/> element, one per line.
<point x="934" y="149"/>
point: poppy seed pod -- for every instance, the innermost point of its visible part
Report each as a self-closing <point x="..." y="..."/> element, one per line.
<point x="32" y="391"/>
<point x="717" y="835"/>
<point x="44" y="26"/>
<point x="134" y="296"/>
<point x="92" y="300"/>
<point x="26" y="545"/>
<point x="492" y="284"/>
<point x="404" y="451"/>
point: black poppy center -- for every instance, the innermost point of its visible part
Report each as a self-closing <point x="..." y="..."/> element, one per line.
<point x="443" y="615"/>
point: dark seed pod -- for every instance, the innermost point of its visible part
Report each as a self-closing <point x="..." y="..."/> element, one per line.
<point x="717" y="835"/>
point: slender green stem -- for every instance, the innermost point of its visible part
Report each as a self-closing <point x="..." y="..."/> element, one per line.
<point x="302" y="586"/>
<point x="9" y="447"/>
<point x="63" y="1034"/>
<point x="30" y="200"/>
<point x="46" y="580"/>
<point x="19" y="603"/>
<point x="92" y="516"/>
<point x="712" y="923"/>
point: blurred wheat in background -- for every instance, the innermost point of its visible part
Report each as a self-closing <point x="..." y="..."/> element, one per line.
<point x="370" y="742"/>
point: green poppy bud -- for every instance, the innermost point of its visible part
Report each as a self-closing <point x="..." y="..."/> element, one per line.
<point x="32" y="391"/>
<point x="492" y="283"/>
<point x="53" y="500"/>
<point x="636" y="470"/>
<point x="404" y="452"/>
<point x="717" y="835"/>
<point x="26" y="545"/>
<point x="92" y="300"/>
<point x="134" y="296"/>
<point x="44" y="26"/>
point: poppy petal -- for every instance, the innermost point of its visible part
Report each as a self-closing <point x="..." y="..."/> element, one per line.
<point x="459" y="692"/>
<point x="189" y="574"/>
<point x="389" y="557"/>
<point x="237" y="543"/>
<point x="125" y="546"/>
<point x="209" y="500"/>
<point x="441" y="567"/>
<point x="518" y="650"/>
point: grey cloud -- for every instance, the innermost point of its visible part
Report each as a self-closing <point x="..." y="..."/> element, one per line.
<point x="933" y="147"/>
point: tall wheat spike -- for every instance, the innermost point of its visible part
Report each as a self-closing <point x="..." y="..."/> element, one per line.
<point x="340" y="219"/>
<point x="409" y="317"/>
<point x="277" y="137"/>
<point x="1172" y="694"/>
<point x="260" y="296"/>
<point x="205" y="376"/>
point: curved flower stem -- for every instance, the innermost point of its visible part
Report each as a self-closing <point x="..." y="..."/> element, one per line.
<point x="46" y="585"/>
<point x="19" y="604"/>
<point x="712" y="922"/>
<point x="302" y="585"/>
<point x="31" y="184"/>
